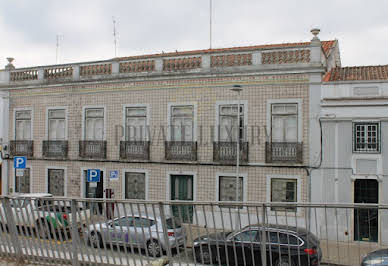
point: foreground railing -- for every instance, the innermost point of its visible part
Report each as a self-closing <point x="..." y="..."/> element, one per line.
<point x="130" y="232"/>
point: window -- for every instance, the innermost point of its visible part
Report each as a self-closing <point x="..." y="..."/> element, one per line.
<point x="22" y="182"/>
<point x="284" y="122"/>
<point x="246" y="236"/>
<point x="182" y="123"/>
<point x="228" y="122"/>
<point x="135" y="123"/>
<point x="56" y="182"/>
<point x="23" y="125"/>
<point x="143" y="222"/>
<point x="283" y="190"/>
<point x="366" y="137"/>
<point x="282" y="239"/>
<point x="94" y="124"/>
<point x="135" y="185"/>
<point x="227" y="188"/>
<point x="56" y="124"/>
<point x="125" y="222"/>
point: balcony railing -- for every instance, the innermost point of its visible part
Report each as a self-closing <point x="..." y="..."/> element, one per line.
<point x="22" y="148"/>
<point x="55" y="148"/>
<point x="92" y="149"/>
<point x="226" y="152"/>
<point x="180" y="150"/>
<point x="284" y="152"/>
<point x="134" y="150"/>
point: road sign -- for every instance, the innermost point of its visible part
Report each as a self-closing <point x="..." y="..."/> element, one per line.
<point x="93" y="175"/>
<point x="19" y="162"/>
<point x="114" y="174"/>
<point x="19" y="172"/>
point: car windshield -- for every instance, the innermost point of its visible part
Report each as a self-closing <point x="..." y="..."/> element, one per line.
<point x="173" y="223"/>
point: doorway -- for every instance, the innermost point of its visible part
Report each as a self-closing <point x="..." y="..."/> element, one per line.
<point x="366" y="220"/>
<point x="182" y="189"/>
<point x="94" y="190"/>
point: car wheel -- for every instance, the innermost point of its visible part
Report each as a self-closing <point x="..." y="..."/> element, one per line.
<point x="284" y="261"/>
<point x="95" y="240"/>
<point x="43" y="229"/>
<point x="153" y="248"/>
<point x="204" y="256"/>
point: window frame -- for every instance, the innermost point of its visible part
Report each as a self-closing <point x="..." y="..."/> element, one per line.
<point x="140" y="171"/>
<point x="354" y="137"/>
<point x="244" y="188"/>
<point x="169" y="118"/>
<point x="48" y="109"/>
<point x="31" y="119"/>
<point x="148" y="116"/>
<point x="298" y="194"/>
<point x="84" y="109"/>
<point x="244" y="105"/>
<point x="284" y="115"/>
<point x="14" y="179"/>
<point x="64" y="178"/>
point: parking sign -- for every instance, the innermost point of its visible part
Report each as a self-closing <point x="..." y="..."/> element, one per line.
<point x="93" y="175"/>
<point x="114" y="174"/>
<point x="19" y="162"/>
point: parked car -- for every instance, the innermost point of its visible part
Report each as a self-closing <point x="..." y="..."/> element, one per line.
<point x="378" y="257"/>
<point x="284" y="246"/>
<point x="138" y="231"/>
<point x="40" y="212"/>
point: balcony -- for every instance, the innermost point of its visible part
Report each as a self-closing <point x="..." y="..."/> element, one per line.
<point x="283" y="152"/>
<point x="55" y="149"/>
<point x="226" y="152"/>
<point x="134" y="150"/>
<point x="92" y="149"/>
<point x="180" y="150"/>
<point x="22" y="148"/>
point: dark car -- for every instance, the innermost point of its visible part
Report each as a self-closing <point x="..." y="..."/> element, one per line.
<point x="284" y="246"/>
<point x="378" y="257"/>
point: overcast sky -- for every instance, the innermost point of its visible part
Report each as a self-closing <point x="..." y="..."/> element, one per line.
<point x="28" y="28"/>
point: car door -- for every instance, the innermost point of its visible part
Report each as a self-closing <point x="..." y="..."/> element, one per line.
<point x="119" y="228"/>
<point x="141" y="228"/>
<point x="245" y="247"/>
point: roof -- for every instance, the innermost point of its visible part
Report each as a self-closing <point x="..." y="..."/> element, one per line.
<point x="326" y="46"/>
<point x="357" y="73"/>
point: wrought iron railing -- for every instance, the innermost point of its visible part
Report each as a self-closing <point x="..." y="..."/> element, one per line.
<point x="284" y="152"/>
<point x="22" y="148"/>
<point x="55" y="148"/>
<point x="226" y="152"/>
<point x="134" y="150"/>
<point x="92" y="149"/>
<point x="181" y="150"/>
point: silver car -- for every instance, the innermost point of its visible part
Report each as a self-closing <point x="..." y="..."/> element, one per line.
<point x="137" y="231"/>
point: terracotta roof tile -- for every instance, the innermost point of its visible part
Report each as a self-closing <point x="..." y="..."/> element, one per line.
<point x="326" y="46"/>
<point x="357" y="73"/>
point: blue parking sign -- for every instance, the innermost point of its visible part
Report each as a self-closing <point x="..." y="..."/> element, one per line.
<point x="93" y="175"/>
<point x="114" y="174"/>
<point x="19" y="162"/>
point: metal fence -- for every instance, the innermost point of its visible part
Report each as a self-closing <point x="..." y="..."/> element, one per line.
<point x="123" y="232"/>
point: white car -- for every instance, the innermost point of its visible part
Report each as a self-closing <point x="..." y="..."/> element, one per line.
<point x="41" y="212"/>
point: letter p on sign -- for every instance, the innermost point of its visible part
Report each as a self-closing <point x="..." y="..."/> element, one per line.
<point x="19" y="162"/>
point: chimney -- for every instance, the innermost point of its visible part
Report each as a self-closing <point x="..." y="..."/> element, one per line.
<point x="9" y="66"/>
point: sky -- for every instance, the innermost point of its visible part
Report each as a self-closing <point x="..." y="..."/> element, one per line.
<point x="29" y="28"/>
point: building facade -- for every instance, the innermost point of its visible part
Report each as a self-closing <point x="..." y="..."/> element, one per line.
<point x="165" y="126"/>
<point x="354" y="167"/>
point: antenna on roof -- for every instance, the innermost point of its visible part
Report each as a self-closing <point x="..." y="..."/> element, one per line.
<point x="59" y="39"/>
<point x="210" y="23"/>
<point x="114" y="35"/>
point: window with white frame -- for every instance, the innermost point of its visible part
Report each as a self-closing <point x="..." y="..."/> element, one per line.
<point x="284" y="190"/>
<point x="182" y="123"/>
<point x="135" y="123"/>
<point x="284" y="122"/>
<point x="227" y="188"/>
<point x="94" y="124"/>
<point x="23" y="125"/>
<point x="56" y="124"/>
<point x="22" y="181"/>
<point x="228" y="125"/>
<point x="56" y="182"/>
<point x="135" y="185"/>
<point x="366" y="137"/>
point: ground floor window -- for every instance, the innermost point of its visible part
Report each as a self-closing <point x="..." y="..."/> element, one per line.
<point x="135" y="185"/>
<point x="22" y="180"/>
<point x="56" y="182"/>
<point x="283" y="190"/>
<point x="227" y="188"/>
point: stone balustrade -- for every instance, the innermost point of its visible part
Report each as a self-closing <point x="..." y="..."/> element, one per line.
<point x="137" y="66"/>
<point x="100" y="69"/>
<point x="58" y="72"/>
<point x="31" y="74"/>
<point x="231" y="60"/>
